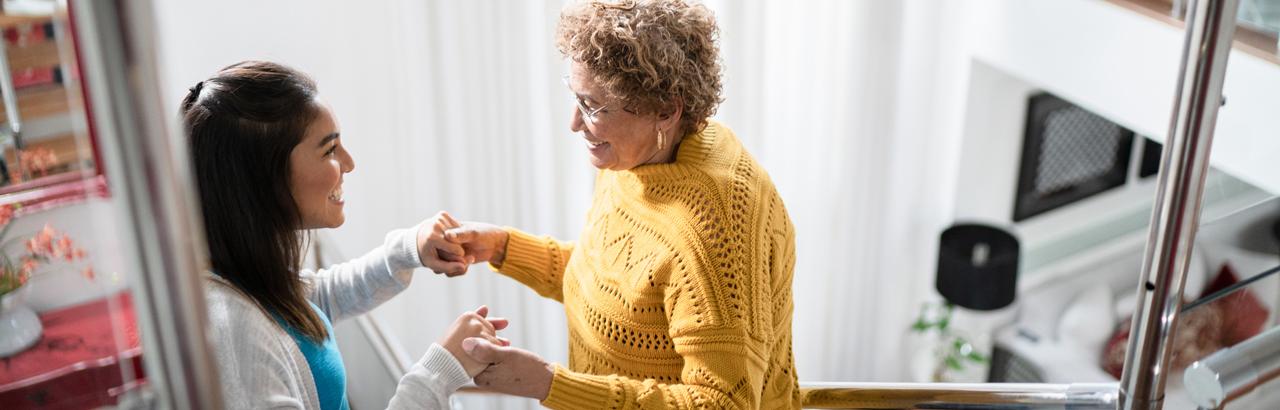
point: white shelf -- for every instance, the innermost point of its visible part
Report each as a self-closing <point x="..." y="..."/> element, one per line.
<point x="1124" y="66"/>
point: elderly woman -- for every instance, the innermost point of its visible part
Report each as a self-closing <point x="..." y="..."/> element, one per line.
<point x="678" y="291"/>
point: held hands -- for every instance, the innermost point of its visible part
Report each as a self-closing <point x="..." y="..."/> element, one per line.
<point x="435" y="252"/>
<point x="473" y="326"/>
<point x="482" y="242"/>
<point x="512" y="371"/>
<point x="448" y="246"/>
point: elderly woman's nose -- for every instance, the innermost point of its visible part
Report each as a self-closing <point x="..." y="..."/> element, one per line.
<point x="576" y="122"/>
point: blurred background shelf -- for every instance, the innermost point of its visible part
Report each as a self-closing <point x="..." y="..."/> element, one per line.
<point x="41" y="101"/>
<point x="1123" y="65"/>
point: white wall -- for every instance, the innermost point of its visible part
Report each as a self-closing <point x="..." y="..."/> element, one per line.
<point x="1124" y="66"/>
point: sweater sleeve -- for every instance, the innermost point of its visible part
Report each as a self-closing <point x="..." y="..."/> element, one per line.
<point x="723" y="355"/>
<point x="357" y="286"/>
<point x="537" y="262"/>
<point x="430" y="382"/>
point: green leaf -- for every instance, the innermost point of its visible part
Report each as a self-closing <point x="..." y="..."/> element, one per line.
<point x="953" y="363"/>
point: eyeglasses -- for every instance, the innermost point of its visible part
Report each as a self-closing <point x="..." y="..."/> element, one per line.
<point x="589" y="114"/>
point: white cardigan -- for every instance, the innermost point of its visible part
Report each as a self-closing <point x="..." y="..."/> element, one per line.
<point x="260" y="365"/>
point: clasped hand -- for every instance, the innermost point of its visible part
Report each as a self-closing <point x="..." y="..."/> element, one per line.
<point x="490" y="359"/>
<point x="473" y="325"/>
<point x="449" y="247"/>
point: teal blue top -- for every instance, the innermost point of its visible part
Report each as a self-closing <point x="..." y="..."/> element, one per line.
<point x="326" y="364"/>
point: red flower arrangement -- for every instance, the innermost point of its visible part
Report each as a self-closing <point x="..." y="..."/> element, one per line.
<point x="46" y="246"/>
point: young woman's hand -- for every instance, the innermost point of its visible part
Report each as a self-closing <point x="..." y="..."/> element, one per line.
<point x="482" y="242"/>
<point x="473" y="325"/>
<point x="438" y="254"/>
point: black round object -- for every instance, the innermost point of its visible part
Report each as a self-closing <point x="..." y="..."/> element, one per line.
<point x="978" y="266"/>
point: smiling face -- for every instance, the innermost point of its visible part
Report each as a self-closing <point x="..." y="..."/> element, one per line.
<point x="316" y="166"/>
<point x="616" y="139"/>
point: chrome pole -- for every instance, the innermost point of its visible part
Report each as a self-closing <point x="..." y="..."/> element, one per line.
<point x="991" y="396"/>
<point x="147" y="168"/>
<point x="1229" y="373"/>
<point x="1176" y="214"/>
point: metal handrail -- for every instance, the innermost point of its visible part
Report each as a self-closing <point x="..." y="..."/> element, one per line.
<point x="1231" y="372"/>
<point x="959" y="395"/>
<point x="1176" y="213"/>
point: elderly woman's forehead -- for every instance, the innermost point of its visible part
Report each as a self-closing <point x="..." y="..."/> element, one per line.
<point x="583" y="80"/>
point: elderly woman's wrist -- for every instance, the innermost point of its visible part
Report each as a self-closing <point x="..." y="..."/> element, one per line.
<point x="500" y="251"/>
<point x="544" y="389"/>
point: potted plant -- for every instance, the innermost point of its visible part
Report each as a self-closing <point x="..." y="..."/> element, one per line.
<point x="950" y="352"/>
<point x="20" y="259"/>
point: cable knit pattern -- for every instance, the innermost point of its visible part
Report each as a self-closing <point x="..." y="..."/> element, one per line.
<point x="678" y="293"/>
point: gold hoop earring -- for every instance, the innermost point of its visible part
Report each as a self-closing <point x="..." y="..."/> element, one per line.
<point x="661" y="141"/>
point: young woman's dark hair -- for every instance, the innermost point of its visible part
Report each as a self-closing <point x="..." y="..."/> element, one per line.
<point x="243" y="123"/>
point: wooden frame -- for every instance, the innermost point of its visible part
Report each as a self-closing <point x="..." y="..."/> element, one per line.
<point x="1256" y="42"/>
<point x="75" y="185"/>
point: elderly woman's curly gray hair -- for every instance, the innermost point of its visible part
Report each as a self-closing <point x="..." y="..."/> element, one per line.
<point x="648" y="53"/>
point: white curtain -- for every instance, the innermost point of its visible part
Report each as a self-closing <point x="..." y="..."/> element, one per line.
<point x="854" y="108"/>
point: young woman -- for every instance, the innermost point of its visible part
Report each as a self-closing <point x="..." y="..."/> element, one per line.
<point x="269" y="163"/>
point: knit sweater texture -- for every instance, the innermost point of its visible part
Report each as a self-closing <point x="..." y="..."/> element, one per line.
<point x="678" y="291"/>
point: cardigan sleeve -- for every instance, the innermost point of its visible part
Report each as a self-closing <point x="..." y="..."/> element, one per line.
<point x="430" y="381"/>
<point x="357" y="286"/>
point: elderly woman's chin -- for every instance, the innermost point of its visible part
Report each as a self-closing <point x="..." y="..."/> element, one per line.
<point x="602" y="156"/>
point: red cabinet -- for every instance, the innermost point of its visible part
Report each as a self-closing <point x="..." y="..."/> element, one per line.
<point x="87" y="357"/>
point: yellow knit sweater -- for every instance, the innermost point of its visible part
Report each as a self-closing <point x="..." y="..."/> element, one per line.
<point x="678" y="293"/>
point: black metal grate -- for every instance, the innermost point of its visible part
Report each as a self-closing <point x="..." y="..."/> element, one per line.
<point x="1008" y="367"/>
<point x="1068" y="154"/>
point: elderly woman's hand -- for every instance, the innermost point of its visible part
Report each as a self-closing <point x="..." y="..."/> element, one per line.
<point x="482" y="242"/>
<point x="438" y="254"/>
<point x="468" y="326"/>
<point x="512" y="371"/>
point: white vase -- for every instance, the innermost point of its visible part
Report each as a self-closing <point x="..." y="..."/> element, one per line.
<point x="19" y="326"/>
